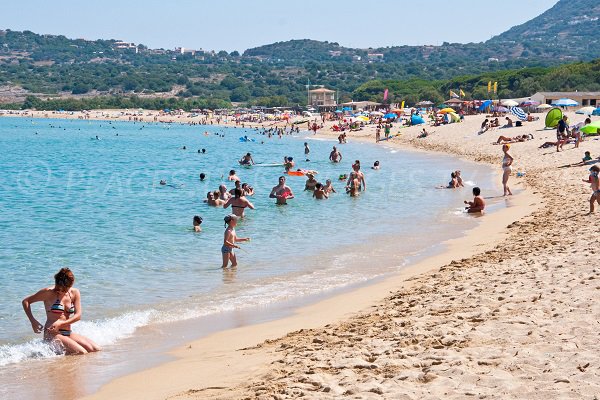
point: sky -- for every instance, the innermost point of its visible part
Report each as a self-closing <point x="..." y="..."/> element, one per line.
<point x="241" y="24"/>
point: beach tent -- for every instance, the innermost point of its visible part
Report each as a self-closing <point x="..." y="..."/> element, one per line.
<point x="553" y="117"/>
<point x="591" y="129"/>
<point x="518" y="112"/>
<point x="454" y="117"/>
<point x="416" y="120"/>
<point x="485" y="105"/>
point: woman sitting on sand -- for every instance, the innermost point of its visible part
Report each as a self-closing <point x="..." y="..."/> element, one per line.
<point x="63" y="308"/>
<point x="484" y="126"/>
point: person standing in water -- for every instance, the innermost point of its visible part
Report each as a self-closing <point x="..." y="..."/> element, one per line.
<point x="229" y="241"/>
<point x="238" y="203"/>
<point x="357" y="174"/>
<point x="247" y="160"/>
<point x="63" y="308"/>
<point x="306" y="151"/>
<point x="197" y="221"/>
<point x="335" y="156"/>
<point x="281" y="192"/>
<point x="311" y="182"/>
<point x="507" y="169"/>
<point x="328" y="188"/>
<point x="319" y="193"/>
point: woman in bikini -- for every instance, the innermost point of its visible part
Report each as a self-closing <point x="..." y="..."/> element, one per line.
<point x="238" y="203"/>
<point x="507" y="169"/>
<point x="63" y="308"/>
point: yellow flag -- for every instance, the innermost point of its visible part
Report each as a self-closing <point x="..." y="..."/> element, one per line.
<point x="402" y="106"/>
<point x="495" y="87"/>
<point x="489" y="86"/>
<point x="462" y="94"/>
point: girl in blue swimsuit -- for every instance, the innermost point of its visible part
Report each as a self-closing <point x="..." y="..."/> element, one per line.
<point x="63" y="308"/>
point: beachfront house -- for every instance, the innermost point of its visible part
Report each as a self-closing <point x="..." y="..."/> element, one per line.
<point x="321" y="97"/>
<point x="583" y="98"/>
<point x="361" y="105"/>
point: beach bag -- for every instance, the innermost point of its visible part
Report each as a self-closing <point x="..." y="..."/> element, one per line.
<point x="519" y="123"/>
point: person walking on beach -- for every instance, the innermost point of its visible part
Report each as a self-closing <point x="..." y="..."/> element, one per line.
<point x="229" y="241"/>
<point x="507" y="169"/>
<point x="377" y="135"/>
<point x="63" y="308"/>
<point x="562" y="133"/>
<point x="238" y="203"/>
<point x="335" y="156"/>
<point x="281" y="192"/>
<point x="595" y="184"/>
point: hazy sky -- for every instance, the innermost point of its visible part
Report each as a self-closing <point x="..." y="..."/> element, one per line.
<point x="241" y="24"/>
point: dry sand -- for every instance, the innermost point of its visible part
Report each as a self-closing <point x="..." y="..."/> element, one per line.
<point x="504" y="313"/>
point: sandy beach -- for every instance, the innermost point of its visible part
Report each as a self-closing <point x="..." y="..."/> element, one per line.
<point x="507" y="311"/>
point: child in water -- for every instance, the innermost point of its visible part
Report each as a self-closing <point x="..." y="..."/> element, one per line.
<point x="196" y="223"/>
<point x="478" y="204"/>
<point x="319" y="193"/>
<point x="229" y="241"/>
<point x="595" y="183"/>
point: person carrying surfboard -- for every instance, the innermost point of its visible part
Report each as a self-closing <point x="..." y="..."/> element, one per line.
<point x="281" y="192"/>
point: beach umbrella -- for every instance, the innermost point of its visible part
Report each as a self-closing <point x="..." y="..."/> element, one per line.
<point x="424" y="103"/>
<point x="530" y="103"/>
<point x="591" y="128"/>
<point x="502" y="109"/>
<point x="596" y="111"/>
<point x="390" y="115"/>
<point x="544" y="106"/>
<point x="377" y="113"/>
<point x="446" y="110"/>
<point x="510" y="103"/>
<point x="363" y="118"/>
<point x="565" y="103"/>
<point x="586" y="110"/>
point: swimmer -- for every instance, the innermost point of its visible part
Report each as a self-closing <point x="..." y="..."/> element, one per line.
<point x="311" y="182"/>
<point x="184" y="148"/>
<point x="63" y="308"/>
<point x="281" y="192"/>
<point x="335" y="156"/>
<point x="196" y="223"/>
<point x="247" y="189"/>
<point x="232" y="176"/>
<point x="328" y="188"/>
<point x="477" y="205"/>
<point x="319" y="193"/>
<point x="288" y="163"/>
<point x="223" y="194"/>
<point x="163" y="182"/>
<point x="202" y="176"/>
<point x="376" y="165"/>
<point x="229" y="241"/>
<point x="306" y="151"/>
<point x="246" y="160"/>
<point x="238" y="185"/>
<point x="238" y="203"/>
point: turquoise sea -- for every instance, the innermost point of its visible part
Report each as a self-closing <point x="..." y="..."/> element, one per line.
<point x="96" y="206"/>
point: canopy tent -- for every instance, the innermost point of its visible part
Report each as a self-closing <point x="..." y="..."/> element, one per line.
<point x="591" y="128"/>
<point x="518" y="112"/>
<point x="553" y="117"/>
<point x="586" y="110"/>
<point x="565" y="103"/>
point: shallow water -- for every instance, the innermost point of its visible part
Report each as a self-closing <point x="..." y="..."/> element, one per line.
<point x="67" y="199"/>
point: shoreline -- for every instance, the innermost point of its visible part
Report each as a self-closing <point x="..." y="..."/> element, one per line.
<point x="225" y="359"/>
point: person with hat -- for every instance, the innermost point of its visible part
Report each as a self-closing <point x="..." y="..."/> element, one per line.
<point x="229" y="241"/>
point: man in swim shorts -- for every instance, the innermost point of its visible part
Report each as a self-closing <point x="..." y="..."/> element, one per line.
<point x="281" y="192"/>
<point x="335" y="156"/>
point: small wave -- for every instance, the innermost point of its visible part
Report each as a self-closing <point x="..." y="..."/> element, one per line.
<point x="104" y="332"/>
<point x="469" y="183"/>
